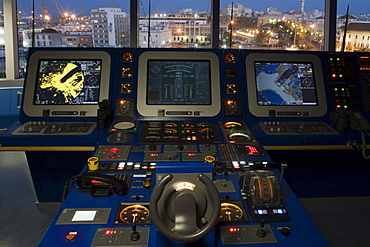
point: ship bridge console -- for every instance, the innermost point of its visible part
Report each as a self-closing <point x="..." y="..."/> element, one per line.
<point x="171" y="147"/>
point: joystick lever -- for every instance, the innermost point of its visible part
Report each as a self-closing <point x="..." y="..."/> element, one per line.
<point x="152" y="145"/>
<point x="261" y="233"/>
<point x="135" y="235"/>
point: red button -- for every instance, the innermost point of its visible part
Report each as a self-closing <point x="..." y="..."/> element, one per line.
<point x="70" y="237"/>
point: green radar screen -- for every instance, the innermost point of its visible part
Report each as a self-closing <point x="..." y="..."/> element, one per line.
<point x="60" y="83"/>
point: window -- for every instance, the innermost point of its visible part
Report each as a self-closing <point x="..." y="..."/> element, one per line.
<point x="272" y="25"/>
<point x="176" y="25"/>
<point x="259" y="24"/>
<point x="2" y="43"/>
<point x="358" y="26"/>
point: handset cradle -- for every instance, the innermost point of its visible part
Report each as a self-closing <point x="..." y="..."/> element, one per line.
<point x="100" y="184"/>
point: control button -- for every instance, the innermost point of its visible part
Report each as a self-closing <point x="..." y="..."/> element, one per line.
<point x="209" y="159"/>
<point x="147" y="184"/>
<point x="71" y="236"/>
<point x="93" y="163"/>
<point x="285" y="232"/>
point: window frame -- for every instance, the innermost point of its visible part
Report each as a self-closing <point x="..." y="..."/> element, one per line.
<point x="11" y="41"/>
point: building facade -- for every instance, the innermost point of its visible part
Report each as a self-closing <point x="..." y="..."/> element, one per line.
<point x="110" y="27"/>
<point x="357" y="36"/>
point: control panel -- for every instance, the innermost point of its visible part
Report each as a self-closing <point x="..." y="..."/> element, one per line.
<point x="179" y="136"/>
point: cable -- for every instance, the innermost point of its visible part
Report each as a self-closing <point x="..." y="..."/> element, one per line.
<point x="364" y="146"/>
<point x="68" y="185"/>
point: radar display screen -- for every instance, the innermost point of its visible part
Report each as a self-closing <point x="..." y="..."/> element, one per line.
<point x="285" y="84"/>
<point x="68" y="82"/>
<point x="179" y="82"/>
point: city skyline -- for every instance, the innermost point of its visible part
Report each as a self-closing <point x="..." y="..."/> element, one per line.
<point x="168" y="6"/>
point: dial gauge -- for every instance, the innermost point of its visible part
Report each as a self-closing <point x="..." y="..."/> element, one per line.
<point x="229" y="58"/>
<point x="127" y="57"/>
<point x="230" y="212"/>
<point x="134" y="214"/>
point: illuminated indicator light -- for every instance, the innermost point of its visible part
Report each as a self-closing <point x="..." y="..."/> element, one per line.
<point x="336" y="89"/>
<point x="113" y="129"/>
<point x="331" y="59"/>
<point x="338" y="59"/>
<point x="343" y="89"/>
<point x="152" y="167"/>
<point x="264" y="162"/>
<point x="130" y="163"/>
<point x="333" y="75"/>
<point x="280" y="211"/>
<point x="188" y="131"/>
<point x="137" y="166"/>
<point x="231" y="141"/>
<point x="194" y="138"/>
<point x="96" y="182"/>
<point x="108" y="232"/>
<point x="338" y="106"/>
<point x="153" y="155"/>
<point x="153" y="164"/>
<point x="120" y="168"/>
<point x="144" y="167"/>
<point x="184" y="185"/>
<point x="232" y="229"/>
<point x="260" y="211"/>
<point x="340" y="75"/>
<point x="345" y="107"/>
<point x="191" y="154"/>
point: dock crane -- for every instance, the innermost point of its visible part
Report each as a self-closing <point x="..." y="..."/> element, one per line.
<point x="46" y="16"/>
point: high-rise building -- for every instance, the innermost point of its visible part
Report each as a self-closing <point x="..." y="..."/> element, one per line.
<point x="110" y="27"/>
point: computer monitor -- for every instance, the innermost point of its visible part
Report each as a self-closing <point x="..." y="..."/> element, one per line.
<point x="178" y="84"/>
<point x="285" y="85"/>
<point x="66" y="83"/>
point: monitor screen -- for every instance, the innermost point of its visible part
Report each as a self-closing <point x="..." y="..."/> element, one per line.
<point x="66" y="83"/>
<point x="285" y="85"/>
<point x="74" y="82"/>
<point x="178" y="84"/>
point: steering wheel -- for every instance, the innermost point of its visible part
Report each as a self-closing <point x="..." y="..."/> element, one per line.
<point x="186" y="211"/>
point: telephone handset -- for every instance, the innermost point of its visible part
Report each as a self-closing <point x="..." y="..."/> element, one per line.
<point x="100" y="184"/>
<point x="353" y="119"/>
<point x="357" y="121"/>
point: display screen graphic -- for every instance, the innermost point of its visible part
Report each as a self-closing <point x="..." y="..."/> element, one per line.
<point x="285" y="83"/>
<point x="62" y="82"/>
<point x="178" y="82"/>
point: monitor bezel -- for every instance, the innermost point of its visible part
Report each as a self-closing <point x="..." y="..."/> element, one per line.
<point x="86" y="110"/>
<point x="318" y="110"/>
<point x="191" y="110"/>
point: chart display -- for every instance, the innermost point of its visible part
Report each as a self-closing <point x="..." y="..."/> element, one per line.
<point x="285" y="83"/>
